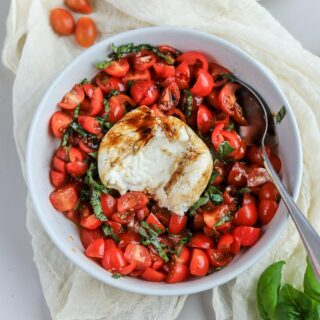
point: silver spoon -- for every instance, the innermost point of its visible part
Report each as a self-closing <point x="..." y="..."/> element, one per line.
<point x="261" y="129"/>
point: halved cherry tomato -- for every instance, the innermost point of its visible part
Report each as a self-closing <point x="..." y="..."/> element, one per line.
<point x="62" y="153"/>
<point x="77" y="169"/>
<point x="113" y="259"/>
<point x="138" y="254"/>
<point x="85" y="32"/>
<point x="178" y="272"/>
<point x="168" y="49"/>
<point x="156" y="111"/>
<point x="59" y="122"/>
<point x="204" y="119"/>
<point x="267" y="210"/>
<point x="257" y="177"/>
<point x="127" y="269"/>
<point x="118" y="106"/>
<point x="182" y="75"/>
<point x="73" y="98"/>
<point x="57" y="178"/>
<point x="107" y="83"/>
<point x="269" y="191"/>
<point x="218" y="169"/>
<point x="255" y="155"/>
<point x="199" y="264"/>
<point x="163" y="70"/>
<point x="157" y="262"/>
<point x="217" y="72"/>
<point x="227" y="98"/>
<point x="221" y="118"/>
<point x="80" y="6"/>
<point x="123" y="217"/>
<point x="152" y="275"/>
<point x="183" y="257"/>
<point x="108" y="204"/>
<point x="238" y="175"/>
<point x="144" y="92"/>
<point x="238" y="116"/>
<point x="61" y="21"/>
<point x="58" y="165"/>
<point x="178" y="113"/>
<point x="64" y="198"/>
<point x="84" y="147"/>
<point x="276" y="162"/>
<point x="218" y="259"/>
<point x="200" y="240"/>
<point x="131" y="201"/>
<point x="141" y="214"/>
<point x="240" y="153"/>
<point x="90" y="222"/>
<point x="163" y="216"/>
<point x="88" y="88"/>
<point x="96" y="103"/>
<point x="203" y="84"/>
<point x="153" y="221"/>
<point x="248" y="235"/>
<point x="169" y="97"/>
<point x="116" y="227"/>
<point x="118" y="68"/>
<point x="211" y="218"/>
<point x="87" y="236"/>
<point x="247" y="215"/>
<point x="75" y="155"/>
<point x="192" y="57"/>
<point x="144" y="60"/>
<point x="177" y="223"/>
<point x="136" y="76"/>
<point x="89" y="124"/>
<point x="127" y="238"/>
<point x="198" y="221"/>
<point x="224" y="243"/>
<point x="95" y="249"/>
<point x="73" y="215"/>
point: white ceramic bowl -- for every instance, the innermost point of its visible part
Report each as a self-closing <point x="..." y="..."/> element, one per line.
<point x="41" y="146"/>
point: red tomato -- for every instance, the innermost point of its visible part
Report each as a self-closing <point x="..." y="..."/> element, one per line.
<point x="276" y="162"/>
<point x="80" y="6"/>
<point x="163" y="216"/>
<point x="116" y="227"/>
<point x="211" y="218"/>
<point x="268" y="191"/>
<point x="199" y="264"/>
<point x="118" y="68"/>
<point x="227" y="99"/>
<point x="59" y="122"/>
<point x="90" y="222"/>
<point x="198" y="221"/>
<point x="153" y="221"/>
<point x="192" y="57"/>
<point x="218" y="169"/>
<point x="117" y="106"/>
<point x="203" y="84"/>
<point x="204" y="119"/>
<point x="218" y="259"/>
<point x="177" y="113"/>
<point x="87" y="236"/>
<point x="200" y="240"/>
<point x="62" y="153"/>
<point x="221" y="118"/>
<point x="267" y="209"/>
<point x="73" y="98"/>
<point x="217" y="72"/>
<point x="138" y="254"/>
<point x="238" y="175"/>
<point x="182" y="75"/>
<point x="178" y="272"/>
<point x="184" y="256"/>
<point x="157" y="262"/>
<point x="86" y="32"/>
<point x="127" y="238"/>
<point x="247" y="215"/>
<point x="224" y="244"/>
<point x="58" y="165"/>
<point x="88" y="88"/>
<point x="169" y="97"/>
<point x="75" y="155"/>
<point x="107" y="83"/>
<point x="141" y="214"/>
<point x="127" y="269"/>
<point x="144" y="92"/>
<point x="177" y="223"/>
<point x="64" y="198"/>
<point x="255" y="155"/>
<point x="108" y="204"/>
<point x="123" y="217"/>
<point x="156" y="111"/>
<point x="144" y="60"/>
<point x="57" y="178"/>
<point x="168" y="49"/>
<point x="248" y="235"/>
<point x="61" y="21"/>
<point x="96" y="103"/>
<point x="84" y="147"/>
<point x="247" y="199"/>
<point x="238" y="116"/>
<point x="240" y="153"/>
<point x="72" y="215"/>
<point x="257" y="177"/>
<point x="163" y="70"/>
<point x="77" y="169"/>
<point x="136" y="76"/>
<point x="113" y="259"/>
<point x="132" y="200"/>
<point x="152" y="275"/>
<point x="236" y="244"/>
<point x="90" y="124"/>
<point x="95" y="249"/>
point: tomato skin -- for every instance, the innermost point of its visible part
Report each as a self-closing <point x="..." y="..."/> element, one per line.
<point x="132" y="200"/>
<point x="95" y="249"/>
<point x="247" y="215"/>
<point x="118" y="68"/>
<point x="116" y="227"/>
<point x="191" y="58"/>
<point x="169" y="97"/>
<point x="138" y="254"/>
<point x="255" y="155"/>
<point x="177" y="223"/>
<point x="267" y="209"/>
<point x="64" y="198"/>
<point x="136" y="76"/>
<point x="80" y="6"/>
<point x="178" y="272"/>
<point x="143" y="60"/>
<point x="203" y="85"/>
<point x="276" y="162"/>
<point x="163" y="216"/>
<point x="152" y="275"/>
<point x="96" y="103"/>
<point x="247" y="199"/>
<point x="113" y="259"/>
<point x="200" y="240"/>
<point x="184" y="256"/>
<point x="77" y="169"/>
<point x="269" y="191"/>
<point x="198" y="221"/>
<point x="57" y="178"/>
<point x="144" y="92"/>
<point x="117" y="107"/>
<point x="248" y="236"/>
<point x="218" y="259"/>
<point x="227" y="99"/>
<point x="90" y="124"/>
<point x="163" y="70"/>
<point x="123" y="217"/>
<point x="59" y="122"/>
<point x="88" y="89"/>
<point x="85" y="32"/>
<point x="87" y="236"/>
<point x="199" y="264"/>
<point x="142" y="214"/>
<point x="217" y="71"/>
<point x="127" y="269"/>
<point x="257" y="177"/>
<point x="58" y="165"/>
<point x="211" y="218"/>
<point x="108" y="204"/>
<point x="90" y="222"/>
<point x="182" y="75"/>
<point x="75" y="155"/>
<point x="153" y="221"/>
<point x="204" y="119"/>
<point x="238" y="175"/>
<point x="107" y="83"/>
<point x="224" y="244"/>
<point x="127" y="238"/>
<point x="62" y="21"/>
<point x="73" y="98"/>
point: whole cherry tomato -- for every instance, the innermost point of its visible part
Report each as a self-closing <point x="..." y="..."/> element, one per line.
<point x="86" y="32"/>
<point x="177" y="223"/>
<point x="80" y="6"/>
<point x="61" y="21"/>
<point x="267" y="210"/>
<point x="199" y="264"/>
<point x="269" y="191"/>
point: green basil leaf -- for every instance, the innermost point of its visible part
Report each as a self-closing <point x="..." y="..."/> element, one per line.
<point x="268" y="290"/>
<point x="223" y="220"/>
<point x="96" y="205"/>
<point x="108" y="232"/>
<point x="116" y="275"/>
<point x="310" y="283"/>
<point x="225" y="149"/>
<point x="84" y="196"/>
<point x="244" y="190"/>
<point x="65" y="138"/>
<point x="187" y="106"/>
<point x="295" y="305"/>
<point x="201" y="202"/>
<point x="84" y="81"/>
<point x="281" y="114"/>
<point x="103" y="64"/>
<point x="215" y="195"/>
<point x="92" y="182"/>
<point x="76" y="111"/>
<point x="228" y="76"/>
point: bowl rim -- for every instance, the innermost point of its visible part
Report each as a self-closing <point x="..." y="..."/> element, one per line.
<point x="170" y="289"/>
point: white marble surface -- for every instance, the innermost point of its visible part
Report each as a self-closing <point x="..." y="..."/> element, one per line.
<point x="20" y="293"/>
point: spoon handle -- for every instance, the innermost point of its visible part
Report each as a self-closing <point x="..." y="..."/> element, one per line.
<point x="308" y="234"/>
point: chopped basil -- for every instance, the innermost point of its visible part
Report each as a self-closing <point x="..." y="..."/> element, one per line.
<point x="96" y="205"/>
<point x="84" y="196"/>
<point x="223" y="220"/>
<point x="230" y="126"/>
<point x="281" y="114"/>
<point x="244" y="190"/>
<point x="182" y="242"/>
<point x="199" y="203"/>
<point x="94" y="154"/>
<point x="113" y="93"/>
<point x="65" y="138"/>
<point x="109" y="232"/>
<point x="105" y="124"/>
<point x="130" y="83"/>
<point x="91" y="181"/>
<point x="228" y="76"/>
<point x="117" y="275"/>
<point x="187" y="106"/>
<point x="103" y="64"/>
<point x="225" y="149"/>
<point x="84" y="81"/>
<point x="76" y="111"/>
<point x="214" y="194"/>
<point x="77" y="128"/>
<point x="213" y="177"/>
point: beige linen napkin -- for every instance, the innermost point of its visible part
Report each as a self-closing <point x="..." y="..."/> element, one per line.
<point x="37" y="55"/>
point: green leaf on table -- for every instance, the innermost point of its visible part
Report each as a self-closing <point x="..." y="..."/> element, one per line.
<point x="268" y="290"/>
<point x="310" y="283"/>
